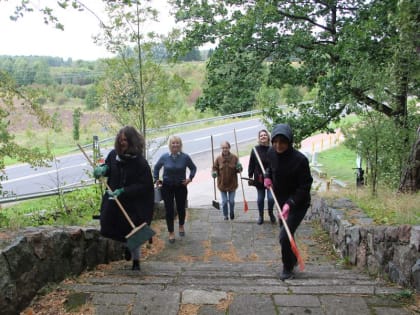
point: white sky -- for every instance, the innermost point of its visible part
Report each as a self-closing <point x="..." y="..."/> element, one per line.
<point x="30" y="36"/>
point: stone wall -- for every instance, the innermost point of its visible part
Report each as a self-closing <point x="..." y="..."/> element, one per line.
<point x="32" y="257"/>
<point x="390" y="251"/>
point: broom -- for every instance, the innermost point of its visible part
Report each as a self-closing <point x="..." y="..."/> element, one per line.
<point x="215" y="203"/>
<point x="242" y="184"/>
<point x="292" y="241"/>
<point x="138" y="235"/>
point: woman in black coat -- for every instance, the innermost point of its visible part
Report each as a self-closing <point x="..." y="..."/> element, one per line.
<point x="130" y="178"/>
<point x="290" y="177"/>
<point x="256" y="176"/>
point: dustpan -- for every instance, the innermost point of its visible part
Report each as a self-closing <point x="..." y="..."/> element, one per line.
<point x="139" y="234"/>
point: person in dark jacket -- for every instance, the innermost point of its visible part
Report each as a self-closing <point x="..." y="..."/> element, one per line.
<point x="226" y="168"/>
<point x="130" y="179"/>
<point x="174" y="183"/>
<point x="290" y="177"/>
<point x="256" y="175"/>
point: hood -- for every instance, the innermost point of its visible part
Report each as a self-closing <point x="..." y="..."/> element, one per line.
<point x="284" y="130"/>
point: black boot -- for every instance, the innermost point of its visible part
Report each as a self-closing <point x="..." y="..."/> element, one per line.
<point x="260" y="218"/>
<point x="272" y="217"/>
<point x="127" y="254"/>
<point x="136" y="265"/>
<point x="287" y="274"/>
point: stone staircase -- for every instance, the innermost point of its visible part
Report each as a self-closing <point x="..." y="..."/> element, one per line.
<point x="231" y="267"/>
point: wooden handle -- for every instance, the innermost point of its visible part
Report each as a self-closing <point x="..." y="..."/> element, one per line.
<point x="274" y="197"/>
<point x="237" y="154"/>
<point x="106" y="184"/>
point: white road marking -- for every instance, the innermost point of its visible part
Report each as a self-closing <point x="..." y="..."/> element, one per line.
<point x="42" y="173"/>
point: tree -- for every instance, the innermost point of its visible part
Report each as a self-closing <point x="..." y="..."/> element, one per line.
<point x="411" y="174"/>
<point x="230" y="82"/>
<point x="77" y="113"/>
<point x="354" y="52"/>
<point x="12" y="95"/>
<point x="136" y="85"/>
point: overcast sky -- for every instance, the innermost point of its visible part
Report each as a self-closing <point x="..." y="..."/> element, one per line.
<point x="30" y="36"/>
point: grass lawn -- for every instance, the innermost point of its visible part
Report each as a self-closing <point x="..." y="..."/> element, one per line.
<point x="338" y="162"/>
<point x="386" y="207"/>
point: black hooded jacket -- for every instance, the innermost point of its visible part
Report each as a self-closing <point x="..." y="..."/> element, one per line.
<point x="289" y="172"/>
<point x="135" y="176"/>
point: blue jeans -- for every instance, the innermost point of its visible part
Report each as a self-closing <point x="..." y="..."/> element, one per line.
<point x="261" y="198"/>
<point x="228" y="197"/>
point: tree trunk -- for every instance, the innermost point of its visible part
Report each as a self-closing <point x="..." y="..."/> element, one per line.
<point x="410" y="180"/>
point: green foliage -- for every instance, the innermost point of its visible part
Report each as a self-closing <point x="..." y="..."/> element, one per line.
<point x="291" y="95"/>
<point x="365" y="56"/>
<point x="385" y="207"/>
<point x="231" y="86"/>
<point x="92" y="99"/>
<point x="80" y="206"/>
<point x="383" y="146"/>
<point x="76" y="123"/>
<point x="349" y="57"/>
<point x="40" y="70"/>
<point x="339" y="162"/>
<point x="192" y="55"/>
<point x="267" y="97"/>
<point x="8" y="147"/>
<point x="137" y="89"/>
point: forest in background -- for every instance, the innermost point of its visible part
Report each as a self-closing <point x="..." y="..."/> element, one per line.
<point x="263" y="49"/>
<point x="71" y="88"/>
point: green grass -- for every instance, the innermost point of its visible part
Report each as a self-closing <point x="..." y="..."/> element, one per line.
<point x="74" y="208"/>
<point x="387" y="207"/>
<point x="338" y="162"/>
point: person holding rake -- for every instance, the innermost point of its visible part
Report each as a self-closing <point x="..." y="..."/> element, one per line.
<point x="129" y="179"/>
<point x="256" y="176"/>
<point x="289" y="177"/>
<point x="226" y="168"/>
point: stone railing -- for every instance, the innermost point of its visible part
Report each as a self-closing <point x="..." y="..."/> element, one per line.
<point x="390" y="251"/>
<point x="32" y="257"/>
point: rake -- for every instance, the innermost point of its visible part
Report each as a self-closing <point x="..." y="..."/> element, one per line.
<point x="291" y="239"/>
<point x="215" y="203"/>
<point x="242" y="184"/>
<point x="139" y="234"/>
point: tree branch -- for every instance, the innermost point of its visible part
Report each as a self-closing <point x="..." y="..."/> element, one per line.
<point x="380" y="107"/>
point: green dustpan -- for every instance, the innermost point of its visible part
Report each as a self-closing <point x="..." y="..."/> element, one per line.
<point x="139" y="236"/>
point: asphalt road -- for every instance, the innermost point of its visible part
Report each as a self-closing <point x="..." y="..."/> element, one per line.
<point x="72" y="170"/>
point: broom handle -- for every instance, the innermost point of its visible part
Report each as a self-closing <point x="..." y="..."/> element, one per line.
<point x="275" y="199"/>
<point x="103" y="181"/>
<point x="237" y="153"/>
<point x="212" y="161"/>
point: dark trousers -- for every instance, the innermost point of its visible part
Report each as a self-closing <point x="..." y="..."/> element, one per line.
<point x="293" y="221"/>
<point x="179" y="195"/>
<point x="261" y="198"/>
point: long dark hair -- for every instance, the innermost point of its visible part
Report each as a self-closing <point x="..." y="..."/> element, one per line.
<point x="135" y="141"/>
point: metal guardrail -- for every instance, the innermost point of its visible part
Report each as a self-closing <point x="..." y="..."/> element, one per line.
<point x="52" y="192"/>
<point x="15" y="198"/>
<point x="195" y="122"/>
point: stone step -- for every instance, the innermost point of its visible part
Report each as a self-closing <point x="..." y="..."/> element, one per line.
<point x="232" y="267"/>
<point x="254" y="277"/>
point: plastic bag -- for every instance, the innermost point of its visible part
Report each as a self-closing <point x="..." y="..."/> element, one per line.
<point x="158" y="195"/>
